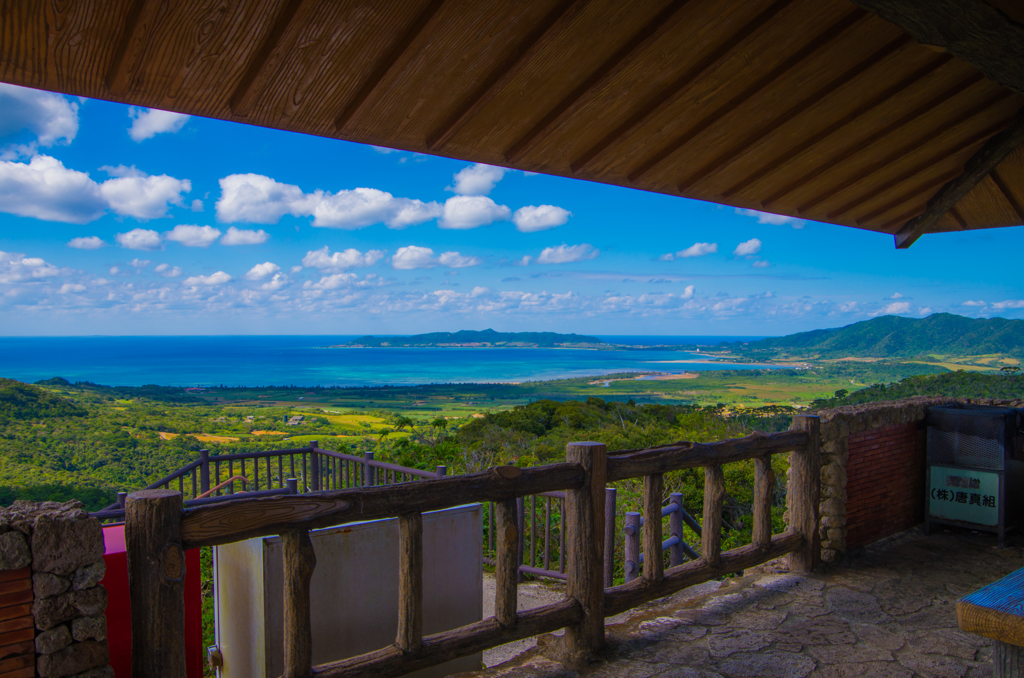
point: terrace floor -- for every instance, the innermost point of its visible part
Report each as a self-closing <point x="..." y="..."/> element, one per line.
<point x="887" y="611"/>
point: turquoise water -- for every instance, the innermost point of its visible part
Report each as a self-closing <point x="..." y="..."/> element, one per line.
<point x="305" y="361"/>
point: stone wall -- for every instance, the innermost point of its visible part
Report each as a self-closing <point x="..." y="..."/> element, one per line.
<point x="53" y="553"/>
<point x="894" y="492"/>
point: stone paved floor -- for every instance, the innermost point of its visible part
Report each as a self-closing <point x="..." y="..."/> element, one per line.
<point x="889" y="611"/>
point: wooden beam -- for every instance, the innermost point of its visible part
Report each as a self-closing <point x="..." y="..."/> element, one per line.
<point x="418" y="26"/>
<point x="904" y="198"/>
<point x="245" y="94"/>
<point x="973" y="30"/>
<point x="1008" y="194"/>
<point x="654" y="29"/>
<point x="976" y="169"/>
<point x="816" y="45"/>
<point x="552" y="25"/>
<point x="669" y="95"/>
<point x="131" y="48"/>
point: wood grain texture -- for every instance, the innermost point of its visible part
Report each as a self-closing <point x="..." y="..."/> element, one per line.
<point x="243" y="519"/>
<point x="156" y="581"/>
<point x="995" y="611"/>
<point x="711" y="527"/>
<point x="299" y="563"/>
<point x="975" y="170"/>
<point x="654" y="565"/>
<point x="507" y="562"/>
<point x="803" y="494"/>
<point x="584" y="525"/>
<point x="410" y="582"/>
<point x="764" y="488"/>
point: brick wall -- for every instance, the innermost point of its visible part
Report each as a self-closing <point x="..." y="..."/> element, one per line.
<point x="885" y="482"/>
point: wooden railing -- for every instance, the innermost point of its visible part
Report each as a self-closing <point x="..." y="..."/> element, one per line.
<point x="158" y="529"/>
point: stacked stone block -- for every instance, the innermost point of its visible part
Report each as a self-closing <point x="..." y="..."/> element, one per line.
<point x="61" y="547"/>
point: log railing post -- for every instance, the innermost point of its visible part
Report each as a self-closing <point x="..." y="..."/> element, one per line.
<point x="764" y="486"/>
<point x="293" y="485"/>
<point x="314" y="465"/>
<point x="369" y="471"/>
<point x="299" y="562"/>
<point x="204" y="471"/>
<point x="609" y="536"/>
<point x="714" y="499"/>
<point x="521" y="526"/>
<point x="584" y="510"/>
<point x="156" y="583"/>
<point x="675" y="528"/>
<point x="506" y="559"/>
<point x="442" y="471"/>
<point x="804" y="493"/>
<point x="410" y="582"/>
<point x="654" y="563"/>
<point x="631" y="551"/>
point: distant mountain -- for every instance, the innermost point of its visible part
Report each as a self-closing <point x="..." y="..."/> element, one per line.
<point x="485" y="338"/>
<point x="895" y="336"/>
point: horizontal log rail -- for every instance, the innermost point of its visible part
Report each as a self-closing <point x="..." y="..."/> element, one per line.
<point x="579" y="483"/>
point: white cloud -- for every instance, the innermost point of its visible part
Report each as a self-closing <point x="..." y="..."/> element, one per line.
<point x="192" y="235"/>
<point x="748" y="248"/>
<point x="761" y="264"/>
<point x="350" y="258"/>
<point x="218" y="278"/>
<point x="114" y="270"/>
<point x="688" y="292"/>
<point x="471" y="211"/>
<point x="533" y="218"/>
<point x="136" y="194"/>
<point x="525" y="261"/>
<point x="238" y="236"/>
<point x="477" y="179"/>
<point x="895" y="295"/>
<point x="296" y="269"/>
<point x="147" y="123"/>
<point x="43" y="188"/>
<point x="974" y="303"/>
<point x="697" y="249"/>
<point x="456" y="260"/>
<point x="274" y="284"/>
<point x="51" y="117"/>
<point x="567" y="254"/>
<point x="262" y="271"/>
<point x="1009" y="303"/>
<point x="895" y="308"/>
<point x="139" y="239"/>
<point x="412" y="257"/>
<point x="16" y="267"/>
<point x="333" y="282"/>
<point x="197" y="205"/>
<point x="168" y="271"/>
<point x="255" y="198"/>
<point x="769" y="218"/>
<point x="91" y="242"/>
<point x="139" y="263"/>
<point x="72" y="288"/>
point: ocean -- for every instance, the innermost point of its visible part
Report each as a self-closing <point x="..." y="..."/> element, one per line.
<point x="307" y="361"/>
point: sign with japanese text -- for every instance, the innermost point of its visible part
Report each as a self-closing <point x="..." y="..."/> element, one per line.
<point x="969" y="496"/>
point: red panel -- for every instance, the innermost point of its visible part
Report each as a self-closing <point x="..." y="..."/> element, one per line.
<point x="119" y="614"/>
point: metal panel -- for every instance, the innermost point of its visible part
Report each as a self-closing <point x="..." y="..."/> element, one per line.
<point x="354" y="592"/>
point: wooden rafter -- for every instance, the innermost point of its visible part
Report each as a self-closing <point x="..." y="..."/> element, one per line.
<point x="973" y="30"/>
<point x="384" y="66"/>
<point x="906" y="197"/>
<point x="245" y="94"/>
<point x="678" y="89"/>
<point x="977" y="168"/>
<point x="815" y="46"/>
<point x="131" y="47"/>
<point x="997" y="179"/>
<point x="549" y="28"/>
<point x="654" y="29"/>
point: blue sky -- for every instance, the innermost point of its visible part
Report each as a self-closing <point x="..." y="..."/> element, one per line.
<point x="123" y="221"/>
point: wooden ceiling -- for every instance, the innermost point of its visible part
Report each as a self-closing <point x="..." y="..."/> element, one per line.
<point x="818" y="109"/>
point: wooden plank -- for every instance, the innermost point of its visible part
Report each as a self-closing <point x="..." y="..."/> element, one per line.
<point x="584" y="522"/>
<point x="984" y="206"/>
<point x="11" y="575"/>
<point x="246" y="91"/>
<point x="764" y="488"/>
<point x="132" y="44"/>
<point x="803" y="494"/>
<point x="11" y="637"/>
<point x="507" y="561"/>
<point x="299" y="562"/>
<point x="15" y="664"/>
<point x="156" y="581"/>
<point x="14" y="611"/>
<point x="692" y="455"/>
<point x="237" y="520"/>
<point x="28" y="672"/>
<point x="974" y="31"/>
<point x="1004" y="188"/>
<point x="17" y="624"/>
<point x="654" y="564"/>
<point x="441" y="647"/>
<point x="627" y="596"/>
<point x="976" y="169"/>
<point x="410" y="582"/>
<point x="15" y="586"/>
<point x="995" y="611"/>
<point x="22" y="647"/>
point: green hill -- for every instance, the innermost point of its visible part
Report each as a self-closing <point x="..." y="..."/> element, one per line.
<point x="894" y="336"/>
<point x="24" y="402"/>
<point x="484" y="338"/>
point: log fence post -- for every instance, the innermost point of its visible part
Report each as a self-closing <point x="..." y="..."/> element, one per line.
<point x="714" y="499"/>
<point x="654" y="563"/>
<point x="369" y="471"/>
<point x="675" y="528"/>
<point x="521" y="526"/>
<point x="410" y="582"/>
<point x="314" y="465"/>
<point x="442" y="471"/>
<point x="506" y="562"/>
<point x="156" y="583"/>
<point x="609" y="535"/>
<point x="804" y="493"/>
<point x="204" y="471"/>
<point x="764" y="486"/>
<point x="584" y="510"/>
<point x="299" y="562"/>
<point x="631" y="552"/>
